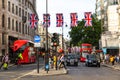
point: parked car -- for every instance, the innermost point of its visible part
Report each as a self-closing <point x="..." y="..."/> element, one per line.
<point x="72" y="59"/>
<point x="92" y="60"/>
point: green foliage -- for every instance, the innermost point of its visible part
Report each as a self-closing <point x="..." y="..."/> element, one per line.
<point x="82" y="34"/>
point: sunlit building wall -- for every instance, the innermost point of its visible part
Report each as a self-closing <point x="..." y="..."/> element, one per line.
<point x="106" y="11"/>
<point x="14" y="22"/>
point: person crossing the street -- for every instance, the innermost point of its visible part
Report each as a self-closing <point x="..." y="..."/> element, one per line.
<point x="5" y="60"/>
<point x="62" y="61"/>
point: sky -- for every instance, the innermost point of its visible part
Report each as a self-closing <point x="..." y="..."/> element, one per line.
<point x="66" y="7"/>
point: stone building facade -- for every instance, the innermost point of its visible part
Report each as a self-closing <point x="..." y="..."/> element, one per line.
<point x="107" y="12"/>
<point x="14" y="22"/>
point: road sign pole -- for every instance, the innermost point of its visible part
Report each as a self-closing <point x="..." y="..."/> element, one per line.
<point x="37" y="61"/>
<point x="37" y="44"/>
<point x="46" y="53"/>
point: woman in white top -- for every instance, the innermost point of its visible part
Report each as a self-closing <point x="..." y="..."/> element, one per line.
<point x="5" y="60"/>
<point x="62" y="61"/>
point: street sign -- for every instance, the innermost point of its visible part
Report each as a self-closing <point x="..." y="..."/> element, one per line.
<point x="37" y="41"/>
<point x="36" y="38"/>
<point x="36" y="44"/>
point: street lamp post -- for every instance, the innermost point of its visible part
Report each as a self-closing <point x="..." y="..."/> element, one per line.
<point x="63" y="36"/>
<point x="62" y="40"/>
<point x="46" y="54"/>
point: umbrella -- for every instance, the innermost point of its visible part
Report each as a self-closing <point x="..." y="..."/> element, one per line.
<point x="18" y="43"/>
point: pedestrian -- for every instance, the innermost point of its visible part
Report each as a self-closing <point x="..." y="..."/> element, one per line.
<point x="5" y="60"/>
<point x="59" y="60"/>
<point x="18" y="59"/>
<point x="112" y="59"/>
<point x="117" y="59"/>
<point x="62" y="61"/>
<point x="51" y="62"/>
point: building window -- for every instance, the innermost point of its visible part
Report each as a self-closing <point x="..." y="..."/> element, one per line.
<point x="3" y="4"/>
<point x="28" y="4"/>
<point x="26" y="28"/>
<point x="28" y="16"/>
<point x="105" y="0"/>
<point x="114" y="2"/>
<point x="8" y="5"/>
<point x="9" y="23"/>
<point x="20" y="27"/>
<point x="23" y="1"/>
<point x="20" y="12"/>
<point x="16" y="10"/>
<point x="3" y="38"/>
<point x="23" y="28"/>
<point x="12" y="24"/>
<point x="13" y="8"/>
<point x="23" y="12"/>
<point x="19" y="0"/>
<point x="16" y="26"/>
<point x="29" y="31"/>
<point x="3" y="21"/>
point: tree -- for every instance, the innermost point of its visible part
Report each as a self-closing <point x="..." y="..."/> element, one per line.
<point x="90" y="34"/>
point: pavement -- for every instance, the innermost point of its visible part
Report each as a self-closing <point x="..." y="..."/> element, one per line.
<point x="62" y="71"/>
<point x="51" y="72"/>
<point x="115" y="67"/>
<point x="42" y="71"/>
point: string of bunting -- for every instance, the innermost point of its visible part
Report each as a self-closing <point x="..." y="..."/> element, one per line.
<point x="60" y="20"/>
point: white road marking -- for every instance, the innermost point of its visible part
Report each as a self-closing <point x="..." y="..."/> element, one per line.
<point x="23" y="75"/>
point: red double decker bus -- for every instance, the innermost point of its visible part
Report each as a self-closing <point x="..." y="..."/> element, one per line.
<point x="25" y="47"/>
<point x="85" y="49"/>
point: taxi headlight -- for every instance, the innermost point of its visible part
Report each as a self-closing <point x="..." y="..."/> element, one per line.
<point x="76" y="60"/>
<point x="89" y="61"/>
<point x="99" y="61"/>
<point x="68" y="60"/>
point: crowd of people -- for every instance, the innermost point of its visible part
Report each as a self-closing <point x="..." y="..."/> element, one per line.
<point x="5" y="60"/>
<point x="57" y="61"/>
<point x="112" y="59"/>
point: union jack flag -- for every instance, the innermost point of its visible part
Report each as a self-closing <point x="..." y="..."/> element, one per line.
<point x="33" y="20"/>
<point x="88" y="19"/>
<point x="46" y="20"/>
<point x="74" y="19"/>
<point x="59" y="18"/>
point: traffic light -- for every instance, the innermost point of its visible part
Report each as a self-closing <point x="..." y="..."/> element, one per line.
<point x="55" y="39"/>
